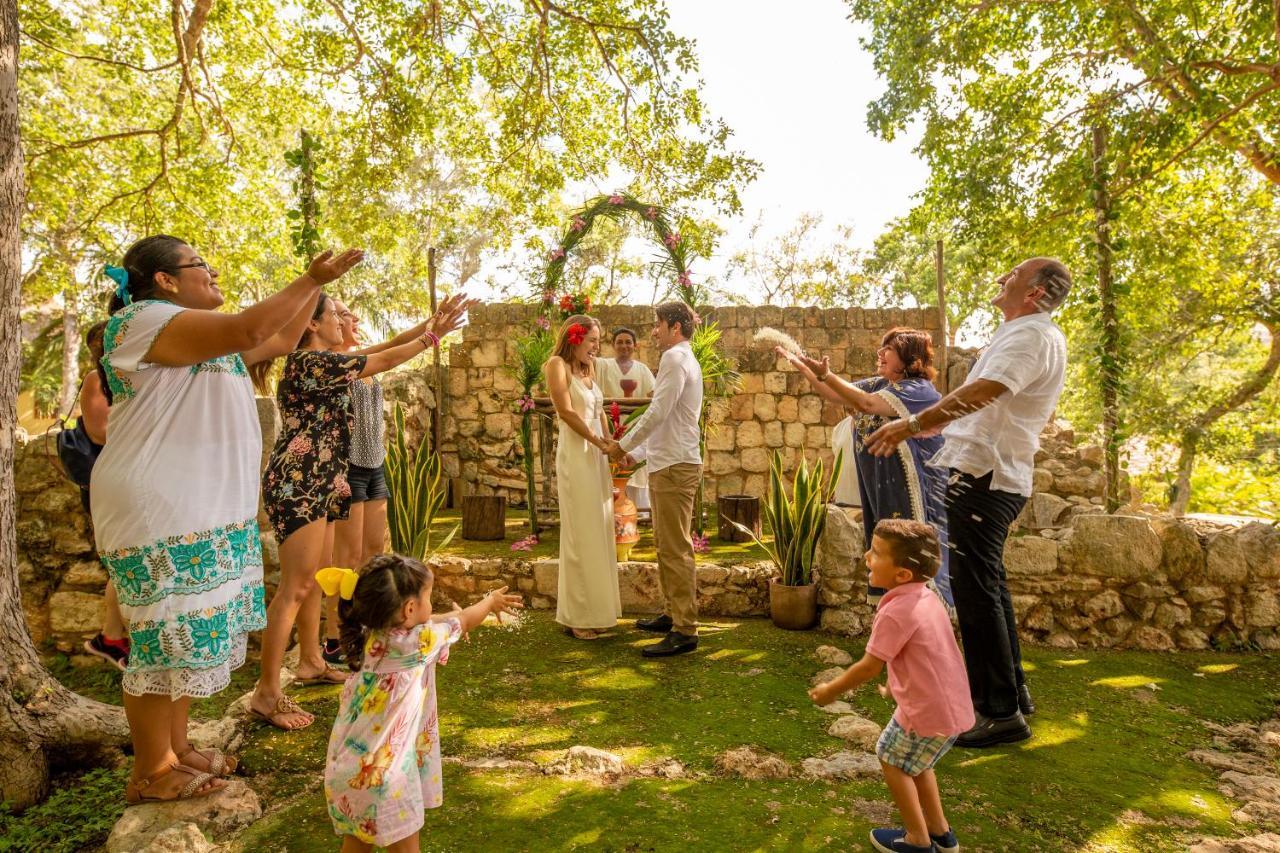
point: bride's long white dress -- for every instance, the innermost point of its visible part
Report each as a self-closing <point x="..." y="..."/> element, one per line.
<point x="587" y="596"/>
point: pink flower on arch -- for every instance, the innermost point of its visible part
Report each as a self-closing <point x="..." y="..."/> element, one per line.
<point x="651" y="213"/>
<point x="543" y="322"/>
<point x="685" y="280"/>
<point x="548" y="297"/>
<point x="672" y="240"/>
<point x="557" y="253"/>
<point x="578" y="224"/>
<point x="701" y="544"/>
<point x="616" y="198"/>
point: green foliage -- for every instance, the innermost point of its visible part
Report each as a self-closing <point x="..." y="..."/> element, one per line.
<point x="305" y="231"/>
<point x="77" y="816"/>
<point x="416" y="494"/>
<point x="42" y="368"/>
<point x="532" y="352"/>
<point x="796" y="520"/>
<point x="802" y="267"/>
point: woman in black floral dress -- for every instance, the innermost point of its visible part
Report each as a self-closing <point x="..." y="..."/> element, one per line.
<point x="305" y="485"/>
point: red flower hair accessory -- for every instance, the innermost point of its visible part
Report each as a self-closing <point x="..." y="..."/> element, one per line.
<point x="577" y="334"/>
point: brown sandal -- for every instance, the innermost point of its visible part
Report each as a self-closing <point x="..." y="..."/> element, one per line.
<point x="133" y="790"/>
<point x="284" y="705"/>
<point x="219" y="763"/>
<point x="329" y="676"/>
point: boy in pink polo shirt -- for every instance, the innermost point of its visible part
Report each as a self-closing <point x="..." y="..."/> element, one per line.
<point x="911" y="634"/>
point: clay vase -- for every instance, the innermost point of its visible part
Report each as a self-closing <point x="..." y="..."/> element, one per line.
<point x="625" y="531"/>
<point x="794" y="608"/>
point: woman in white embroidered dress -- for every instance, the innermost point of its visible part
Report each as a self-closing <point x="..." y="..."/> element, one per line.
<point x="175" y="492"/>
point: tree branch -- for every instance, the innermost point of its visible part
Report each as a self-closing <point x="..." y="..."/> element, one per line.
<point x="47" y="46"/>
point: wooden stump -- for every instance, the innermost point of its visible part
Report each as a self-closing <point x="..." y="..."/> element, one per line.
<point x="744" y="509"/>
<point x="484" y="517"/>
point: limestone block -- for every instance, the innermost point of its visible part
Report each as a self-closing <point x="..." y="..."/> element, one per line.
<point x="835" y="355"/>
<point x="793" y="435"/>
<point x="546" y="574"/>
<point x="1261" y="546"/>
<point x="220" y="813"/>
<point x="833" y="656"/>
<point x="817" y="438"/>
<point x="750" y="434"/>
<point x="86" y="573"/>
<point x="1150" y="638"/>
<point x="1184" y="557"/>
<point x="1201" y="594"/>
<point x="638" y="587"/>
<point x="1262" y="610"/>
<point x="810" y="409"/>
<point x="765" y="407"/>
<point x="76" y="612"/>
<point x="721" y="437"/>
<point x="754" y="484"/>
<point x="755" y="459"/>
<point x="1191" y="638"/>
<point x="1090" y="455"/>
<point x="742" y="407"/>
<point x="1173" y="613"/>
<point x="1041" y="480"/>
<point x="775" y="382"/>
<point x="1037" y="619"/>
<point x="773" y="434"/>
<point x="466" y="408"/>
<point x="857" y="730"/>
<point x="729" y="484"/>
<point x="1104" y="605"/>
<point x="1030" y="556"/>
<point x="1226" y="562"/>
<point x="752" y="383"/>
<point x="1209" y="615"/>
<point x="840" y="549"/>
<point x="788" y="408"/>
<point x="853" y="318"/>
<point x="845" y="621"/>
<point x="1046" y="510"/>
<point x="1062" y="640"/>
<point x="498" y="425"/>
<point x="1120" y="546"/>
<point x="489" y="352"/>
<point x="832" y="414"/>
<point x="842" y="765"/>
<point x="1086" y="485"/>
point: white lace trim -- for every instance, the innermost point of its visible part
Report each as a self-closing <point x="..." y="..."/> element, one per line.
<point x="913" y="476"/>
<point x="196" y="683"/>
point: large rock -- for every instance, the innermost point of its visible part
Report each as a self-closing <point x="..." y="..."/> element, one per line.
<point x="218" y="814"/>
<point x="746" y="763"/>
<point x="1268" y="843"/>
<point x="1104" y="605"/>
<point x="1226" y="561"/>
<point x="638" y="587"/>
<point x="845" y="621"/>
<point x="1261" y="546"/>
<point x="857" y="730"/>
<point x="840" y="550"/>
<point x="1119" y="546"/>
<point x="842" y="765"/>
<point x="833" y="656"/>
<point x="1183" y="554"/>
<point x="76" y="612"/>
<point x="587" y="761"/>
<point x="1030" y="556"/>
<point x="1046" y="510"/>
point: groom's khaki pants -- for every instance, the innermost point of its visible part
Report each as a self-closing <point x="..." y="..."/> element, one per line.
<point x="671" y="494"/>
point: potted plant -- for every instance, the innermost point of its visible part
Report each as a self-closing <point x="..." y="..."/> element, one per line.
<point x="797" y="522"/>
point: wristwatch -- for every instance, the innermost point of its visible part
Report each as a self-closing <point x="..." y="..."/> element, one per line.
<point x="913" y="424"/>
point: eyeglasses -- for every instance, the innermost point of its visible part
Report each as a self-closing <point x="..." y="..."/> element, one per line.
<point x="198" y="265"/>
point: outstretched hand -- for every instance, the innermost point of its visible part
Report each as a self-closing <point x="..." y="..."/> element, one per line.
<point x="884" y="441"/>
<point x="326" y="266"/>
<point x="449" y="315"/>
<point x="500" y="602"/>
<point x="805" y="363"/>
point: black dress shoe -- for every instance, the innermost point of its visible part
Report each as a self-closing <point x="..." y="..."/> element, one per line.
<point x="660" y="624"/>
<point x="993" y="731"/>
<point x="674" y="643"/>
<point x="1025" y="705"/>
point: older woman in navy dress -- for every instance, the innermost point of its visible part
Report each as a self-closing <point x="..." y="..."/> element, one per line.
<point x="903" y="485"/>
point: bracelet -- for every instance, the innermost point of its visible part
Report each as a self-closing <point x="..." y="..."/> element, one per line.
<point x="429" y="340"/>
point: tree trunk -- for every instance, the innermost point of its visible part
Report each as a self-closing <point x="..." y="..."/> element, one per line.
<point x="744" y="509"/>
<point x="484" y="517"/>
<point x="69" y="391"/>
<point x="1109" y="347"/>
<point x="1247" y="390"/>
<point x="39" y="718"/>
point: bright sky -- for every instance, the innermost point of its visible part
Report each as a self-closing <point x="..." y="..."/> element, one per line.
<point x="793" y="82"/>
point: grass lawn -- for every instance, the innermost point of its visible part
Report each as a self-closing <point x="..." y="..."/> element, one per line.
<point x="1105" y="770"/>
<point x="722" y="553"/>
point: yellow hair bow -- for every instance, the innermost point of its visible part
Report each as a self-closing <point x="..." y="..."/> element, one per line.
<point x="337" y="581"/>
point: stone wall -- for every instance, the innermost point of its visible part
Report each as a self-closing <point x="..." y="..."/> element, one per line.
<point x="1126" y="581"/>
<point x="774" y="409"/>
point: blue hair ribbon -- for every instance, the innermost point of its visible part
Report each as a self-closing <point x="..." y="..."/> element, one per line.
<point x="121" y="277"/>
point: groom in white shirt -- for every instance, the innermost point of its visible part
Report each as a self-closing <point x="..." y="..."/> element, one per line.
<point x="667" y="436"/>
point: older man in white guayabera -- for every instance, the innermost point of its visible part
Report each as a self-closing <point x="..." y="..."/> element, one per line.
<point x="992" y="434"/>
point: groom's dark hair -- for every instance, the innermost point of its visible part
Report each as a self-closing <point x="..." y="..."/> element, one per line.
<point x="672" y="313"/>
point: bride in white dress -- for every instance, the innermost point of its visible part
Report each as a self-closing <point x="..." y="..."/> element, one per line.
<point x="587" y="600"/>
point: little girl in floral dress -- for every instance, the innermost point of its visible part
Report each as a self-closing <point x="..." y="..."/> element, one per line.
<point x="383" y="766"/>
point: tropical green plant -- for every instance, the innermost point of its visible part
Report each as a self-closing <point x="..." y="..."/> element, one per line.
<point x="532" y="352"/>
<point x="797" y="521"/>
<point x="416" y="495"/>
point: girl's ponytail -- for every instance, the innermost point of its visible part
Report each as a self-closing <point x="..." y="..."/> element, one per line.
<point x="386" y="582"/>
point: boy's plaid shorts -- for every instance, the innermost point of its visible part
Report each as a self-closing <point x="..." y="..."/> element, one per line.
<point x="910" y="753"/>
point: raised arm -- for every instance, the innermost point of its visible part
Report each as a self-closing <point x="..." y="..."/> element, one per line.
<point x="286" y="340"/>
<point x="965" y="400"/>
<point x="497" y="601"/>
<point x="196" y="336"/>
<point x="558" y="379"/>
<point x="94" y="408"/>
<point x="444" y="321"/>
<point x="835" y="389"/>
<point x="855" y="676"/>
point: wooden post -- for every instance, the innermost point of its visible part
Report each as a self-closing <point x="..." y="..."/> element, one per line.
<point x="944" y="350"/>
<point x="744" y="509"/>
<point x="1109" y="346"/>
<point x="437" y="414"/>
<point x="484" y="517"/>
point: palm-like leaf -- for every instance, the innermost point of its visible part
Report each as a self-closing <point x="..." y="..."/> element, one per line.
<point x="415" y="494"/>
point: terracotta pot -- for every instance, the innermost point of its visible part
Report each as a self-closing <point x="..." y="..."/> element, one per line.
<point x="626" y="533"/>
<point x="794" y="608"/>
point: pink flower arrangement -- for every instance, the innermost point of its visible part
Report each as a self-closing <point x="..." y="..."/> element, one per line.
<point x="672" y="240"/>
<point x="651" y="213"/>
<point x="616" y="198"/>
<point x="701" y="544"/>
<point x="543" y="323"/>
<point x="578" y="224"/>
<point x="557" y="253"/>
<point x="525" y="544"/>
<point x="685" y="279"/>
<point x="526" y="403"/>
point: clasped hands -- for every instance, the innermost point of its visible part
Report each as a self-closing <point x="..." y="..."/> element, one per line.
<point x="614" y="451"/>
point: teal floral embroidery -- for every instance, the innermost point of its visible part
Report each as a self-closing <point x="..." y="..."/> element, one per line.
<point x="184" y="564"/>
<point x="197" y="559"/>
<point x="117" y="328"/>
<point x="209" y="636"/>
<point x="144" y="648"/>
<point x="131" y="575"/>
<point x="231" y="364"/>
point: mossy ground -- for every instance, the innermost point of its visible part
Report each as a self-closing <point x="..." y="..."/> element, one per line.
<point x="1105" y="771"/>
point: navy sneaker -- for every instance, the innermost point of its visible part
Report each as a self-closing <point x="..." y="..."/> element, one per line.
<point x="945" y="843"/>
<point x="894" y="840"/>
<point x="332" y="652"/>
